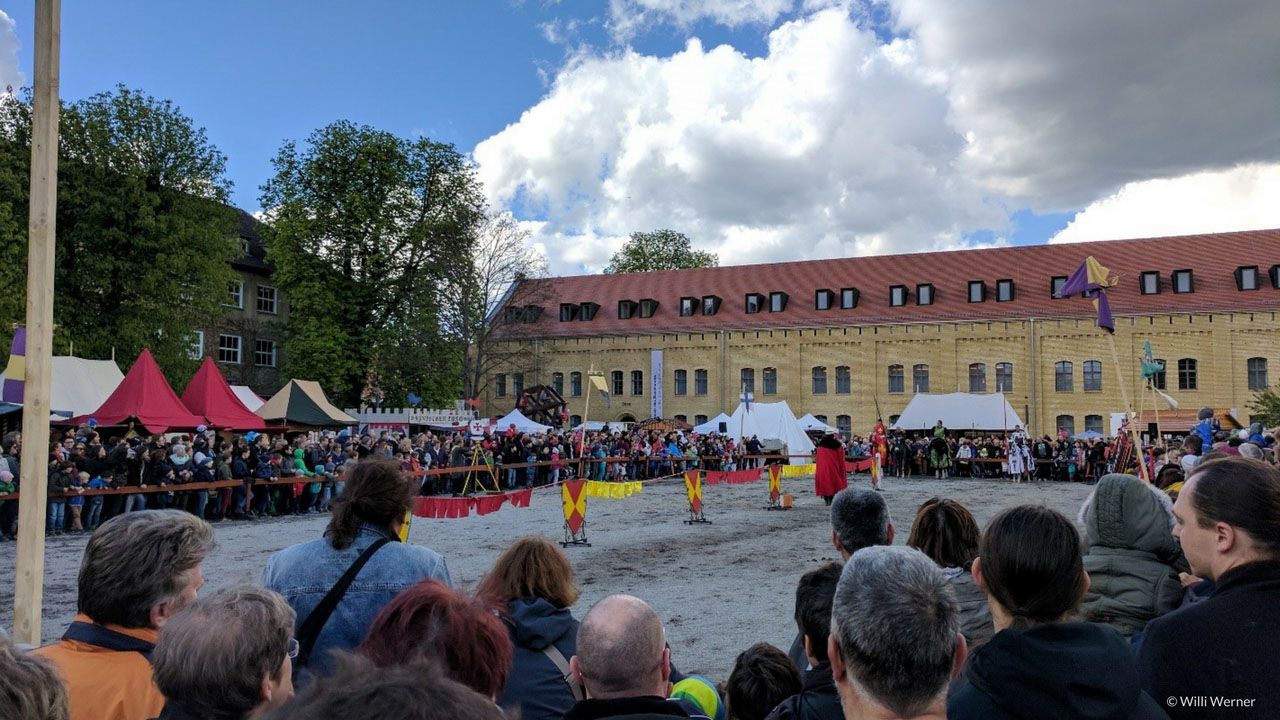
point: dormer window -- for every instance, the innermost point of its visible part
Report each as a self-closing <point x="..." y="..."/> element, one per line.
<point x="512" y="314"/>
<point x="648" y="306"/>
<point x="824" y="300"/>
<point x="531" y="313"/>
<point x="1149" y="282"/>
<point x="627" y="309"/>
<point x="849" y="298"/>
<point x="898" y="295"/>
<point x="778" y="301"/>
<point x="569" y="311"/>
<point x="688" y="306"/>
<point x="587" y="311"/>
<point x="1056" y="283"/>
<point x="754" y="303"/>
<point x="1183" y="281"/>
<point x="1247" y="277"/>
<point x="1004" y="290"/>
<point x="710" y="304"/>
<point x="977" y="291"/>
<point x="924" y="294"/>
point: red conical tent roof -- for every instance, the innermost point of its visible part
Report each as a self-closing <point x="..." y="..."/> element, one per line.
<point x="209" y="395"/>
<point x="144" y="396"/>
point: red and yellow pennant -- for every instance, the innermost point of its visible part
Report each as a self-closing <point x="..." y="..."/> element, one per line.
<point x="775" y="483"/>
<point x="693" y="488"/>
<point x="574" y="495"/>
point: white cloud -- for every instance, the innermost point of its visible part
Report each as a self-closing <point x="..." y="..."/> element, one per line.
<point x="627" y="17"/>
<point x="833" y="144"/>
<point x="1243" y="198"/>
<point x="1068" y="101"/>
<point x="10" y="75"/>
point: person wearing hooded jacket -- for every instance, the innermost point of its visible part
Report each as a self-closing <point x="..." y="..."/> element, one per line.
<point x="1039" y="664"/>
<point x="1131" y="555"/>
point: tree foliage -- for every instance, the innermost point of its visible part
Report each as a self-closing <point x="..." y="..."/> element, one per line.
<point x="143" y="233"/>
<point x="366" y="229"/>
<point x="659" y="250"/>
<point x="1266" y="406"/>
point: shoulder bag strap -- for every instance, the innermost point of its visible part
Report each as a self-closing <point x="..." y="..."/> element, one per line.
<point x="309" y="630"/>
<point x="557" y="657"/>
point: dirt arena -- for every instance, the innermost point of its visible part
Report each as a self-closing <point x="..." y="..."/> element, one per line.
<point x="719" y="587"/>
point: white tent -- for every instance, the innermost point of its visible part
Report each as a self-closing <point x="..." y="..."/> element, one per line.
<point x="959" y="411"/>
<point x="811" y="423"/>
<point x="773" y="424"/>
<point x="522" y="423"/>
<point x="712" y="425"/>
<point x="598" y="425"/>
<point x="250" y="398"/>
<point x="79" y="386"/>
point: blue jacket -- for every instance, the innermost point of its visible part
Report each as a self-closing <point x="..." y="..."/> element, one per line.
<point x="534" y="684"/>
<point x="305" y="573"/>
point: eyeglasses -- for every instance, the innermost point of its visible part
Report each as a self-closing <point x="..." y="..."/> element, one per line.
<point x="293" y="647"/>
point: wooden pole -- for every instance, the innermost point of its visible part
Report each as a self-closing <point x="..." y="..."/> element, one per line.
<point x="586" y="414"/>
<point x="28" y="592"/>
<point x="1128" y="409"/>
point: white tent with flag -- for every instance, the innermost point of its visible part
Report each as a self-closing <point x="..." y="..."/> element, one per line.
<point x="773" y="424"/>
<point x="959" y="411"/>
<point x="712" y="425"/>
<point x="522" y="423"/>
<point x="809" y="423"/>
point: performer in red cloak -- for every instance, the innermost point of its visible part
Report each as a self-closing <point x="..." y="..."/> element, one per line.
<point x="879" y="451"/>
<point x="830" y="476"/>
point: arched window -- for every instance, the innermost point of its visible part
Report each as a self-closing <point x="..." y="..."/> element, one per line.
<point x="819" y="381"/>
<point x="920" y="378"/>
<point x="769" y="378"/>
<point x="1092" y="375"/>
<point x="844" y="380"/>
<point x="557" y="383"/>
<point x="637" y="382"/>
<point x="844" y="424"/>
<point x="681" y="384"/>
<point x="748" y="380"/>
<point x="1063" y="376"/>
<point x="1004" y="377"/>
<point x="699" y="382"/>
<point x="1187" y="374"/>
<point x="895" y="379"/>
<point x="575" y="384"/>
<point x="978" y="377"/>
<point x="1067" y="423"/>
<point x="1257" y="367"/>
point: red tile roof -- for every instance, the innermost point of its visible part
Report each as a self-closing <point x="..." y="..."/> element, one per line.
<point x="1212" y="259"/>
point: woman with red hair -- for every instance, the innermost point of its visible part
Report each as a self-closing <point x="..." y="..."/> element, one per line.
<point x="432" y="622"/>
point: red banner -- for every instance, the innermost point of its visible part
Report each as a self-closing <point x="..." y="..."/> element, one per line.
<point x="459" y="507"/>
<point x="733" y="477"/>
<point x="858" y="465"/>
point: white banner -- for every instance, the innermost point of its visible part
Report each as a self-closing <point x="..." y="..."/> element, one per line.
<point x="656" y="381"/>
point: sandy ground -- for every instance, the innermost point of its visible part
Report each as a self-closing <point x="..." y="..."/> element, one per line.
<point x="719" y="587"/>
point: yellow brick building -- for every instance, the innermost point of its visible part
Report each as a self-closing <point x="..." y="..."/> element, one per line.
<point x="965" y="321"/>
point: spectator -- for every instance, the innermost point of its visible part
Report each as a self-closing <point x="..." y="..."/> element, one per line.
<point x="946" y="532"/>
<point x="1228" y="523"/>
<point x="535" y="580"/>
<point x="1031" y="568"/>
<point x="139" y="570"/>
<point x="433" y="621"/>
<point x="1192" y="446"/>
<point x="359" y="689"/>
<point x="29" y="686"/>
<point x="363" y="535"/>
<point x="817" y="698"/>
<point x="762" y="677"/>
<point x="226" y="657"/>
<point x="1132" y="560"/>
<point x="623" y="662"/>
<point x="895" y="635"/>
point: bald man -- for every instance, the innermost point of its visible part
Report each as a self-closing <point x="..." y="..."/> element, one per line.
<point x="623" y="662"/>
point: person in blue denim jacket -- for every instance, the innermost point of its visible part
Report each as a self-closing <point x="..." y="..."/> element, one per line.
<point x="374" y="504"/>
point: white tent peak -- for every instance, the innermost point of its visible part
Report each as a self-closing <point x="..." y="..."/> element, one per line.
<point x="712" y="425"/>
<point x="771" y="423"/>
<point x="959" y="411"/>
<point x="522" y="423"/>
<point x="811" y="423"/>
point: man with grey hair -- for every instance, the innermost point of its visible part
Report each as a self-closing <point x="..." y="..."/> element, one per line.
<point x="227" y="657"/>
<point x="895" y="636"/>
<point x="139" y="570"/>
<point x="623" y="662"/>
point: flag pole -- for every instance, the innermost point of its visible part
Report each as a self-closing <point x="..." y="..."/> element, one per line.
<point x="586" y="415"/>
<point x="1128" y="408"/>
<point x="28" y="594"/>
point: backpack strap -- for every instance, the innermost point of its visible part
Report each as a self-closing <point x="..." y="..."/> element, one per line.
<point x="557" y="657"/>
<point x="309" y="630"/>
<point x="99" y="636"/>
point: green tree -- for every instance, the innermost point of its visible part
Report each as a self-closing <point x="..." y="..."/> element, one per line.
<point x="143" y="231"/>
<point x="365" y="230"/>
<point x="659" y="250"/>
<point x="1266" y="406"/>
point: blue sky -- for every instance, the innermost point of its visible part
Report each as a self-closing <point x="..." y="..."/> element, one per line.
<point x="766" y="130"/>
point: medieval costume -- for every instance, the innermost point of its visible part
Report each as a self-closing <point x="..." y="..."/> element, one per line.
<point x="829" y="477"/>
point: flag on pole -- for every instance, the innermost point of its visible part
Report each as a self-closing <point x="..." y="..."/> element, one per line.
<point x="746" y="398"/>
<point x="597" y="381"/>
<point x="15" y="374"/>
<point x="1092" y="279"/>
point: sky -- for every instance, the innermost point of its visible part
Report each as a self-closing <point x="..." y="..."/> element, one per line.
<point x="765" y="130"/>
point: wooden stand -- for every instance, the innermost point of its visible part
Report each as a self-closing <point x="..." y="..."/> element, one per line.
<point x="578" y="538"/>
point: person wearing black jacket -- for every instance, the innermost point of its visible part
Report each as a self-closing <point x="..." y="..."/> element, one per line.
<point x="1039" y="664"/>
<point x="818" y="698"/>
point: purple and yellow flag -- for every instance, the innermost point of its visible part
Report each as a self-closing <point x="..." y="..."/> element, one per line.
<point x="15" y="374"/>
<point x="1092" y="279"/>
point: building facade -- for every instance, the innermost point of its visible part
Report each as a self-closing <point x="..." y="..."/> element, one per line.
<point x="853" y="338"/>
<point x="248" y="340"/>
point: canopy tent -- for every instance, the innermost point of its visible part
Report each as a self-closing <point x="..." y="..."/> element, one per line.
<point x="302" y="404"/>
<point x="247" y="396"/>
<point x="809" y="423"/>
<point x="959" y="411"/>
<point x="663" y="426"/>
<point x="712" y="425"/>
<point x="771" y="423"/>
<point x="209" y="395"/>
<point x="144" y="396"/>
<point x="522" y="423"/>
<point x="76" y="386"/>
<point x="598" y="425"/>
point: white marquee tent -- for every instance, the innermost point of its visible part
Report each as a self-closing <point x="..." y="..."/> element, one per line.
<point x="522" y="423"/>
<point x="247" y="396"/>
<point x="773" y="424"/>
<point x="79" y="386"/>
<point x="712" y="425"/>
<point x="959" y="411"/>
<point x="812" y="424"/>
